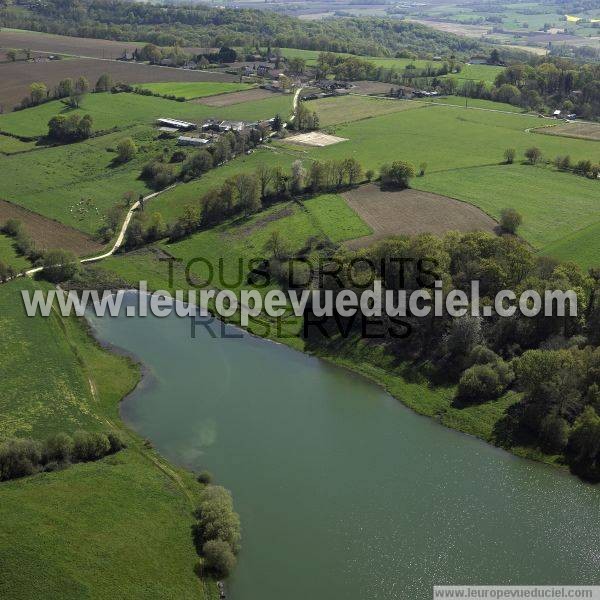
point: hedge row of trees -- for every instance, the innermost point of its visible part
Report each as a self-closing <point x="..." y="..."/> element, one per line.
<point x="554" y="361"/>
<point x="216" y="532"/>
<point x="534" y="156"/>
<point x="21" y="457"/>
<point x="73" y="90"/>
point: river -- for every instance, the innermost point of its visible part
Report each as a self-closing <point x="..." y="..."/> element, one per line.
<point x="344" y="493"/>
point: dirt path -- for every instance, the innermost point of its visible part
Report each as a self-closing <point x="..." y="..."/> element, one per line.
<point x="120" y="237"/>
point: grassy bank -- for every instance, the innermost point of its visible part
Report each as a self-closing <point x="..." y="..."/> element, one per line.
<point x="118" y="527"/>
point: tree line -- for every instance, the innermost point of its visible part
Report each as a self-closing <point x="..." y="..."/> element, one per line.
<point x="209" y="27"/>
<point x="21" y="457"/>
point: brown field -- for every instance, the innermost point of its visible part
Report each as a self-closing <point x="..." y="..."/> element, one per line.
<point x="234" y="97"/>
<point x="74" y="46"/>
<point x="370" y="87"/>
<point x="18" y="76"/>
<point x="48" y="234"/>
<point x="584" y="131"/>
<point x="410" y="212"/>
<point x="63" y="44"/>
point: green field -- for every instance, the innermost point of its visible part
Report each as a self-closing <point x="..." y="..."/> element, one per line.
<point x="485" y="73"/>
<point x="335" y="219"/>
<point x="9" y="256"/>
<point x="343" y="109"/>
<point x="194" y="89"/>
<point x="10" y="145"/>
<point x="77" y="183"/>
<point x="120" y="111"/>
<point x="94" y="530"/>
<point x="463" y="150"/>
<point x="327" y="217"/>
<point x="580" y="247"/>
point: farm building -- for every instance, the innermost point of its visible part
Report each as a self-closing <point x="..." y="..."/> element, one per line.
<point x="231" y="125"/>
<point x="186" y="140"/>
<point x="181" y="125"/>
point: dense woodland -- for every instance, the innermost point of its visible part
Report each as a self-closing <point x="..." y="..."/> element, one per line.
<point x="552" y="362"/>
<point x="208" y="27"/>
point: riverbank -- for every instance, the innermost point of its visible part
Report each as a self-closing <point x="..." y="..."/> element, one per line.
<point x="402" y="381"/>
<point x="107" y="524"/>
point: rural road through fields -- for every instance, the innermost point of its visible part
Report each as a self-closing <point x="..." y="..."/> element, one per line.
<point x="120" y="237"/>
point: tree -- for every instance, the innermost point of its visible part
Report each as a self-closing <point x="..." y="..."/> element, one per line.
<point x="58" y="447"/>
<point x="218" y="558"/>
<point x="397" y="175"/>
<point x="277" y="123"/>
<point x="151" y="53"/>
<point x="275" y="245"/>
<point x="38" y="92"/>
<point x="104" y="83"/>
<point x="370" y="174"/>
<point x="248" y="193"/>
<point x="353" y="170"/>
<point x="264" y="174"/>
<point x="11" y="54"/>
<point x="533" y="155"/>
<point x="198" y="163"/>
<point x="126" y="150"/>
<point x="509" y="156"/>
<point x="298" y="176"/>
<point x="422" y="169"/>
<point x="583" y="449"/>
<point x="510" y="220"/>
<point x="59" y="265"/>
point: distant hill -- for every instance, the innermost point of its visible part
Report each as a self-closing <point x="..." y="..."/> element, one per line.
<point x="205" y="26"/>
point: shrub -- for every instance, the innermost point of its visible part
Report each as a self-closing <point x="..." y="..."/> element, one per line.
<point x="58" y="448"/>
<point x="12" y="227"/>
<point x="554" y="434"/>
<point x="482" y="355"/>
<point x="218" y="558"/>
<point x="533" y="155"/>
<point x="60" y="265"/>
<point x="397" y="175"/>
<point x="90" y="446"/>
<point x="116" y="442"/>
<point x="510" y="220"/>
<point x="126" y="150"/>
<point x="205" y="477"/>
<point x="484" y="382"/>
<point x="19" y="458"/>
<point x="509" y="155"/>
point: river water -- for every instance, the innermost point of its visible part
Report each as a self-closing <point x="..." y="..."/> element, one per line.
<point x="343" y="493"/>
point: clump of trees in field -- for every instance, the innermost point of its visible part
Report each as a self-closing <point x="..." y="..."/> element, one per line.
<point x="510" y="220"/>
<point x="22" y="457"/>
<point x="73" y="128"/>
<point x="552" y="361"/>
<point x="397" y="175"/>
<point x="216" y="532"/>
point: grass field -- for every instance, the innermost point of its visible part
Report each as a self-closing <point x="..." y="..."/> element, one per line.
<point x="333" y="111"/>
<point x="95" y="530"/>
<point x="580" y="247"/>
<point x="10" y="145"/>
<point x="124" y="110"/>
<point x="478" y="72"/>
<point x="81" y="194"/>
<point x="189" y="90"/>
<point x="335" y="219"/>
<point x="9" y="256"/>
<point x="463" y="150"/>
